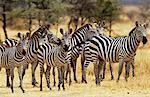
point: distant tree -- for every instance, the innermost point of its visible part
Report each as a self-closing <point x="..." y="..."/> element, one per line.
<point x="79" y="11"/>
<point x="107" y="11"/>
<point x="5" y="8"/>
<point x="145" y="10"/>
<point x="44" y="11"/>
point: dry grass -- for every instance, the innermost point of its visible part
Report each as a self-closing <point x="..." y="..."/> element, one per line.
<point x="137" y="87"/>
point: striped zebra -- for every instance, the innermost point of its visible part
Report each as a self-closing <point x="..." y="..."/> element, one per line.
<point x="120" y="50"/>
<point x="42" y="31"/>
<point x="9" y="42"/>
<point x="55" y="56"/>
<point x="77" y="38"/>
<point x="14" y="57"/>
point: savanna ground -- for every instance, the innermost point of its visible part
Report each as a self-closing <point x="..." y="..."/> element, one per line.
<point x="135" y="87"/>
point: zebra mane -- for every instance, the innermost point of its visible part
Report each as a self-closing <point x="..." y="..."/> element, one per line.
<point x="132" y="31"/>
<point x="81" y="28"/>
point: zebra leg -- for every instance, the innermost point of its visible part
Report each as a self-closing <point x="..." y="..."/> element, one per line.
<point x="62" y="78"/>
<point x="133" y="74"/>
<point x="100" y="67"/>
<point x="86" y="63"/>
<point x="74" y="70"/>
<point x="47" y="73"/>
<point x="67" y="71"/>
<point x="59" y="77"/>
<point x="7" y="78"/>
<point x="127" y="69"/>
<point x="120" y="69"/>
<point x="54" y="76"/>
<point x="20" y="73"/>
<point x="104" y="68"/>
<point x="12" y="78"/>
<point x="96" y="72"/>
<point x="68" y="67"/>
<point x="34" y="65"/>
<point x="82" y="65"/>
<point x="111" y="71"/>
<point x="41" y="75"/>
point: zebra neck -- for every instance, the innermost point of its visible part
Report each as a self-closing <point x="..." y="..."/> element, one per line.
<point x="34" y="44"/>
<point x="18" y="54"/>
<point x="134" y="42"/>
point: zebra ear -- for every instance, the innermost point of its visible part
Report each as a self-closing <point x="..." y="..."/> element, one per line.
<point x="136" y="24"/>
<point x="146" y="25"/>
<point x="19" y="35"/>
<point x="61" y="31"/>
<point x="28" y="34"/>
<point x="47" y="26"/>
<point x="70" y="31"/>
<point x="96" y="25"/>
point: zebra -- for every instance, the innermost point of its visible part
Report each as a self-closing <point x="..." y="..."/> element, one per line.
<point x="10" y="42"/>
<point x="77" y="38"/>
<point x="102" y="49"/>
<point x="14" y="57"/>
<point x="55" y="56"/>
<point x="42" y="31"/>
<point x="76" y="52"/>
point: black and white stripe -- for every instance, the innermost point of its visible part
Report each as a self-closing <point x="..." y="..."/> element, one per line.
<point x="10" y="42"/>
<point x="120" y="50"/>
<point x="34" y="45"/>
<point x="55" y="56"/>
<point x="80" y="36"/>
<point x="14" y="57"/>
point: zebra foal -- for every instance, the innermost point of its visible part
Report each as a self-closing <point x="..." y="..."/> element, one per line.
<point x="56" y="57"/>
<point x="14" y="57"/>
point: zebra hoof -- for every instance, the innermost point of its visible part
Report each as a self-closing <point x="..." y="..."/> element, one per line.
<point x="23" y="91"/>
<point x="117" y="81"/>
<point x="126" y="79"/>
<point x="8" y="86"/>
<point x="40" y="89"/>
<point x="85" y="81"/>
<point x="12" y="90"/>
<point x="58" y="87"/>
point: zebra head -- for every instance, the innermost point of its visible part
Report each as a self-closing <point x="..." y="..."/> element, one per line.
<point x="139" y="31"/>
<point x="53" y="39"/>
<point x="92" y="32"/>
<point x="23" y="43"/>
<point x="65" y="41"/>
<point x="42" y="31"/>
<point x="99" y="28"/>
<point x="43" y="40"/>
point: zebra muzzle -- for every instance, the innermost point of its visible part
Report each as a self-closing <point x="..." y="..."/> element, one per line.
<point x="24" y="52"/>
<point x="144" y="40"/>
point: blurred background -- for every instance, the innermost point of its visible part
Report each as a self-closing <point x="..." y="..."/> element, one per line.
<point x="27" y="15"/>
<point x="119" y="16"/>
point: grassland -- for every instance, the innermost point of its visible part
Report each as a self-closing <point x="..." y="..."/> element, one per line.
<point x="137" y="87"/>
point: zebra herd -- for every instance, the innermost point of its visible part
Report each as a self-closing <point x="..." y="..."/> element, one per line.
<point x="93" y="46"/>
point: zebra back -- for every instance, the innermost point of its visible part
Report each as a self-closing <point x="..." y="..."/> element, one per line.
<point x="10" y="42"/>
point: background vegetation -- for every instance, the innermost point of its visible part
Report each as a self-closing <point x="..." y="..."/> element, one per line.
<point x="119" y="15"/>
